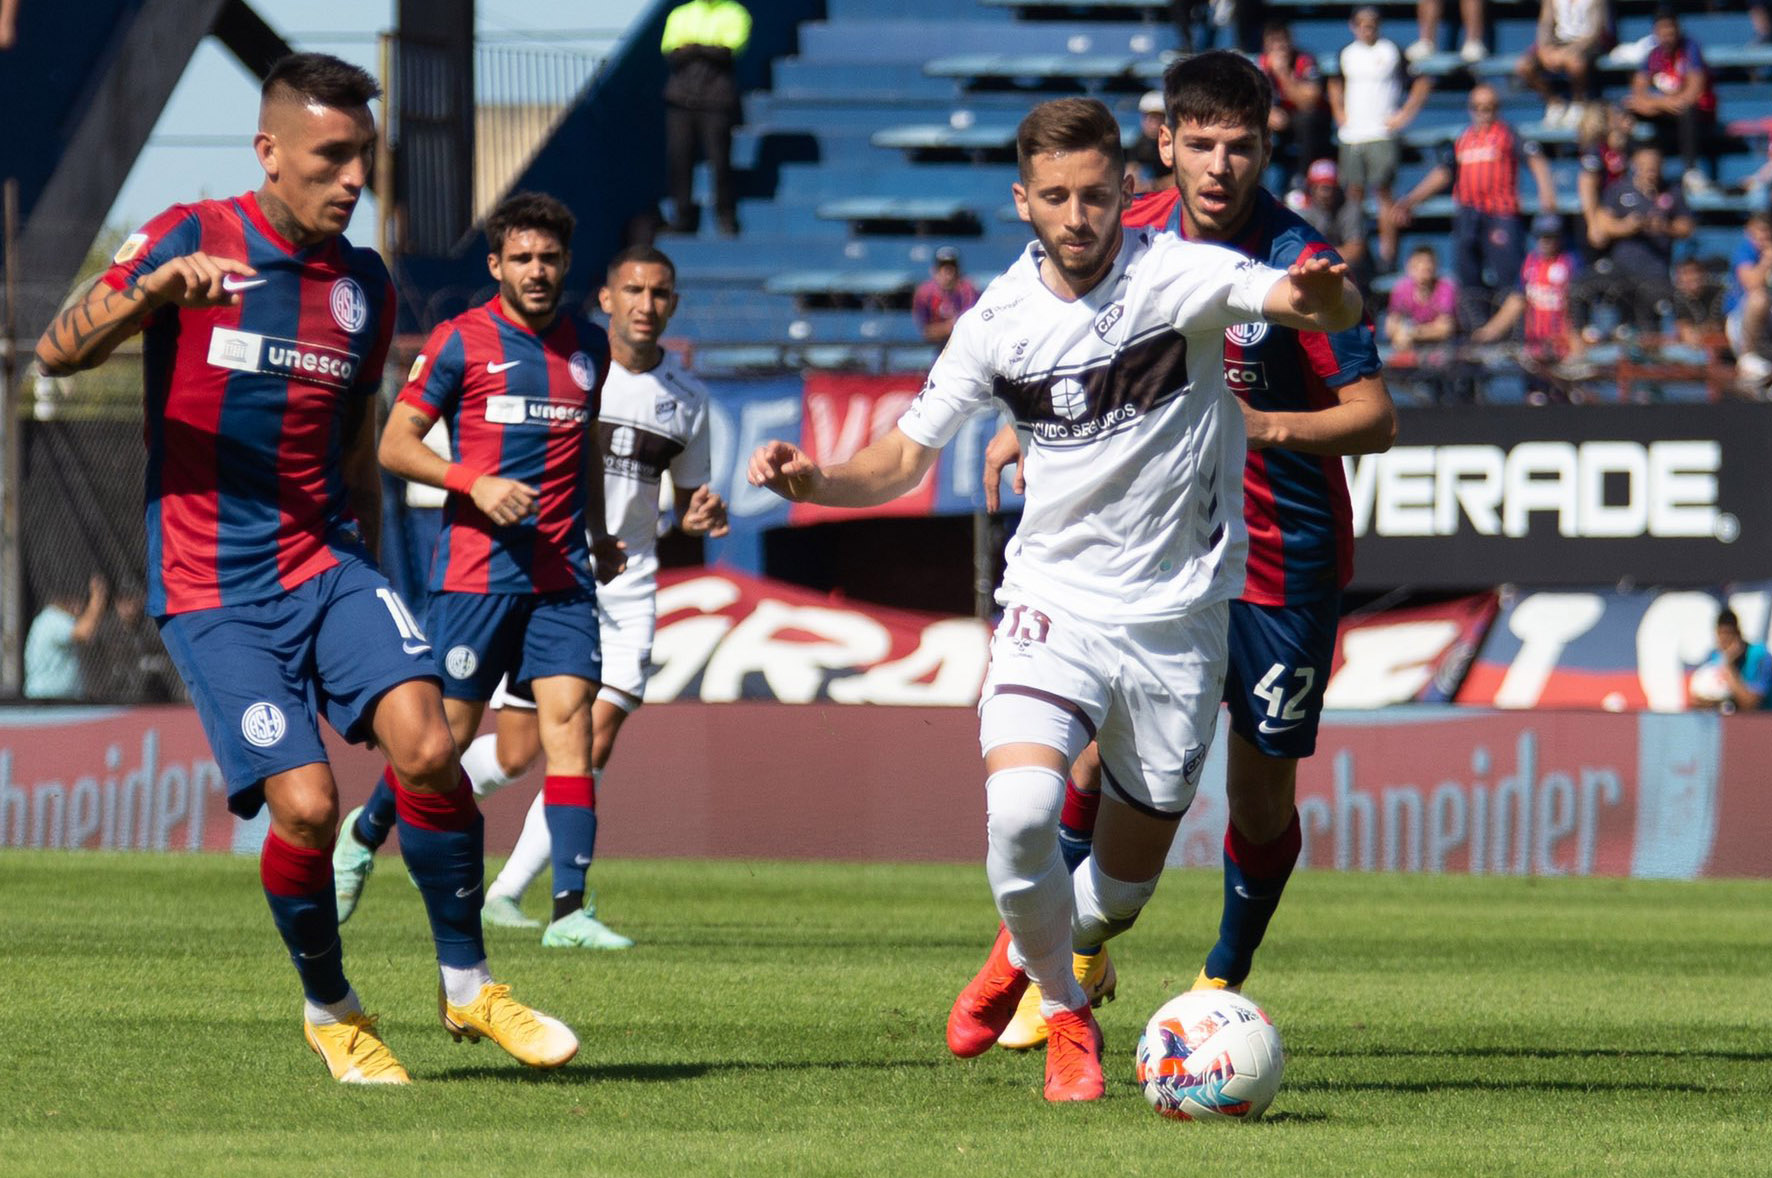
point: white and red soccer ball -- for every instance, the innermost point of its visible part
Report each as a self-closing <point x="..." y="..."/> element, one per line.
<point x="1210" y="1055"/>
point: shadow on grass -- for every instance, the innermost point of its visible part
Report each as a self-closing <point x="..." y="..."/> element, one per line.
<point x="669" y="1073"/>
<point x="1613" y="1053"/>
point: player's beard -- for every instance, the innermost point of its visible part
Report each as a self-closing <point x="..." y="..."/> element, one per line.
<point x="1091" y="265"/>
<point x="537" y="304"/>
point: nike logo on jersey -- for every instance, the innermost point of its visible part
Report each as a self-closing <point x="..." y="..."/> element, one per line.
<point x="415" y="647"/>
<point x="494" y="369"/>
<point x="1271" y="729"/>
<point x="235" y="283"/>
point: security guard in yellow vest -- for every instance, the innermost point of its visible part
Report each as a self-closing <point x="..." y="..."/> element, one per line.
<point x="702" y="41"/>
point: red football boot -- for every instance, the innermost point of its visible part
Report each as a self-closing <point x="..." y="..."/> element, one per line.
<point x="1073" y="1056"/>
<point x="987" y="1003"/>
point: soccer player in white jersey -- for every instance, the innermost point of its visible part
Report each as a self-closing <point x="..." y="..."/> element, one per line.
<point x="1107" y="347"/>
<point x="653" y="419"/>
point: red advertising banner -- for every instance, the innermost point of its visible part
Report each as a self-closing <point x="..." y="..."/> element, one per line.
<point x="725" y="636"/>
<point x="1417" y="789"/>
<point x="843" y="412"/>
<point x="1418" y="654"/>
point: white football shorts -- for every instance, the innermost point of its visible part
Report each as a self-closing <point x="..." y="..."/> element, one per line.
<point x="1146" y="691"/>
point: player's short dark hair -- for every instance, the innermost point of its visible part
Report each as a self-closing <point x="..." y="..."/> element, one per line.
<point x="1726" y="617"/>
<point x="1069" y="124"/>
<point x="529" y="210"/>
<point x="1217" y="87"/>
<point x="323" y="78"/>
<point x="641" y="255"/>
<point x="1429" y="250"/>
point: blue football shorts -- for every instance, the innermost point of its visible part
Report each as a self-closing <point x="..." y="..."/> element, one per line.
<point x="483" y="637"/>
<point x="1280" y="658"/>
<point x="262" y="675"/>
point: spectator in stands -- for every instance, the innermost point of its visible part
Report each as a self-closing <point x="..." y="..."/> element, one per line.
<point x="125" y="662"/>
<point x="1698" y="306"/>
<point x="1571" y="36"/>
<point x="1144" y="158"/>
<point x="1482" y="166"/>
<point x="1422" y="304"/>
<point x="1673" y="90"/>
<point x="1200" y="23"/>
<point x="1639" y="220"/>
<point x="702" y="42"/>
<point x="1736" y="676"/>
<point x="1328" y="210"/>
<point x="60" y="629"/>
<point x="1543" y="307"/>
<point x="1299" y="120"/>
<point x="1427" y="23"/>
<point x="1747" y="303"/>
<point x="1543" y="304"/>
<point x="1370" y="110"/>
<point x="943" y="298"/>
<point x="1603" y="146"/>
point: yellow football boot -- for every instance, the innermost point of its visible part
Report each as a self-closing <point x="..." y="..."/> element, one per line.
<point x="354" y="1053"/>
<point x="528" y="1035"/>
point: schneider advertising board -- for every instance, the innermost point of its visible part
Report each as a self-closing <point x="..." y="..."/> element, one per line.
<point x="1567" y="495"/>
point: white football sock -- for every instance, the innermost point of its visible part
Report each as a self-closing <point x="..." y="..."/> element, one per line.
<point x="480" y="763"/>
<point x="1104" y="906"/>
<point x="531" y="856"/>
<point x="462" y="986"/>
<point x="323" y="1013"/>
<point x="1027" y="875"/>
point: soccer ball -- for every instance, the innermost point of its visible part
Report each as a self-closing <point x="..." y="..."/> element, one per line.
<point x="1210" y="1055"/>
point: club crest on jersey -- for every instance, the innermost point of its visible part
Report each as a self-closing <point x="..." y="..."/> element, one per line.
<point x="1068" y="399"/>
<point x="584" y="373"/>
<point x="350" y="306"/>
<point x="1104" y="322"/>
<point x="664" y="408"/>
<point x="263" y="725"/>
<point x="1246" y="335"/>
<point x="418" y="366"/>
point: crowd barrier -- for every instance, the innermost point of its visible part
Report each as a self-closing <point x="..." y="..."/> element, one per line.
<point x="1424" y="788"/>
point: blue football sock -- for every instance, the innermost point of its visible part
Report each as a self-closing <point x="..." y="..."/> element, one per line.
<point x="1255" y="875"/>
<point x="570" y="805"/>
<point x="442" y="838"/>
<point x="298" y="887"/>
<point x="377" y="818"/>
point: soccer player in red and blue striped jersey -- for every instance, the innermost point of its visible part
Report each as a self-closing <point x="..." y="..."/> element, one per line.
<point x="512" y="591"/>
<point x="265" y="333"/>
<point x="1308" y="398"/>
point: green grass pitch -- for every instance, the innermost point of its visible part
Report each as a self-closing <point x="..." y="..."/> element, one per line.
<point x="784" y="1018"/>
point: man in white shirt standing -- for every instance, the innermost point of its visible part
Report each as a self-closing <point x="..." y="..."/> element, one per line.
<point x="1371" y="110"/>
<point x="1108" y="349"/>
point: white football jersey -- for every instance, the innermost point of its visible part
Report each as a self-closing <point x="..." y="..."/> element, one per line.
<point x="650" y="422"/>
<point x="1134" y="446"/>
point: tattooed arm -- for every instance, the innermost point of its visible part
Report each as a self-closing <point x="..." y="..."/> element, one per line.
<point x="85" y="335"/>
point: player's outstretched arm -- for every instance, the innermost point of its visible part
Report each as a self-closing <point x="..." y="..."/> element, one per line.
<point x="701" y="512"/>
<point x="1362" y="421"/>
<point x="85" y="335"/>
<point x="1315" y="295"/>
<point x="883" y="471"/>
<point x="1004" y="450"/>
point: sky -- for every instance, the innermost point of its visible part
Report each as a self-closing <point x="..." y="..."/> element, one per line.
<point x="202" y="145"/>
